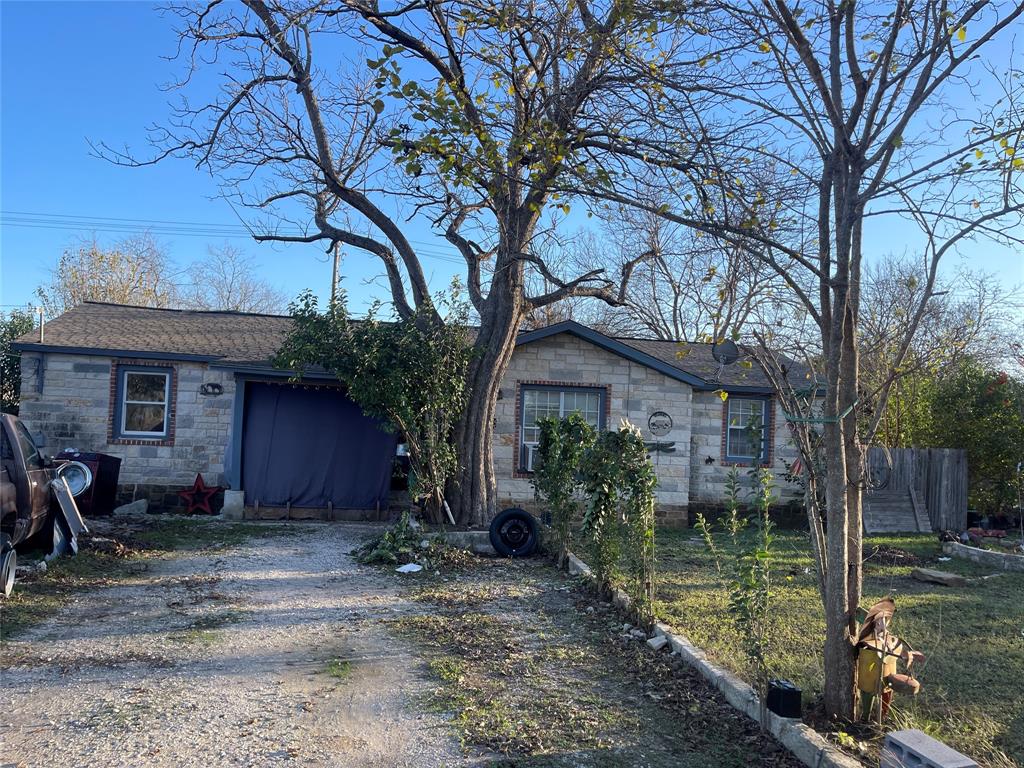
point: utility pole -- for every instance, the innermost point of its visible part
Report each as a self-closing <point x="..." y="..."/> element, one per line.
<point x="334" y="273"/>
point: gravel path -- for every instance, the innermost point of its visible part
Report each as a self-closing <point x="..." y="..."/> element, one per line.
<point x="276" y="652"/>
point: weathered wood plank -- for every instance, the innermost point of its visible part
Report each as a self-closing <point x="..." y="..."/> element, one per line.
<point x="933" y="479"/>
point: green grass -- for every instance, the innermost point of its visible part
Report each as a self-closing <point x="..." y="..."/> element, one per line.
<point x="973" y="636"/>
<point x="339" y="669"/>
<point x="100" y="564"/>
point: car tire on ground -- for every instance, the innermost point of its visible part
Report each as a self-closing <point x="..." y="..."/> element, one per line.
<point x="514" y="533"/>
<point x="8" y="565"/>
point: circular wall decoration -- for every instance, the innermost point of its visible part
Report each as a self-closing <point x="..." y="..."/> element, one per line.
<point x="660" y="423"/>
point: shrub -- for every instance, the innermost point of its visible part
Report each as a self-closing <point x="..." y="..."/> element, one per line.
<point x="556" y="478"/>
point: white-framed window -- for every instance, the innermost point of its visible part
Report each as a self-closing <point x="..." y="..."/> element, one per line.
<point x="746" y="435"/>
<point x="544" y="401"/>
<point x="144" y="396"/>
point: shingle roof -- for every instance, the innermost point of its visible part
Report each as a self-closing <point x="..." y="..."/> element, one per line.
<point x="237" y="337"/>
<point x="696" y="359"/>
<point x="246" y="339"/>
<point x="689" y="362"/>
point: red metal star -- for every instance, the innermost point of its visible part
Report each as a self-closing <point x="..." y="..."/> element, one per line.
<point x="199" y="495"/>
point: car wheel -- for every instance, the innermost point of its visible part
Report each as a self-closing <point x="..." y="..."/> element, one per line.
<point x="514" y="533"/>
<point x="8" y="565"/>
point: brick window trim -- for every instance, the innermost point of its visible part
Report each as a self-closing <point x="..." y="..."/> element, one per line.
<point x="172" y="405"/>
<point x="770" y="426"/>
<point x="517" y="471"/>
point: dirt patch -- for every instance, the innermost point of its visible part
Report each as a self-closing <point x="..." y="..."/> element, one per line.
<point x="528" y="665"/>
<point x="887" y="556"/>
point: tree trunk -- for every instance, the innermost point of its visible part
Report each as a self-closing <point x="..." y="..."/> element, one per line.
<point x="472" y="493"/>
<point x="839" y="658"/>
<point x="856" y="468"/>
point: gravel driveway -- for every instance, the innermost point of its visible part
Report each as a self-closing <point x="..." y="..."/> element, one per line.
<point x="275" y="652"/>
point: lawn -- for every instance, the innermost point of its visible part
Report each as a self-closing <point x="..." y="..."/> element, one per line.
<point x="973" y="636"/>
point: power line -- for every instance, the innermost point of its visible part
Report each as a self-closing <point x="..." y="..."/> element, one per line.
<point x="69" y="222"/>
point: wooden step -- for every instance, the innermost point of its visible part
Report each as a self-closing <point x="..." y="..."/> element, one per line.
<point x="889" y="512"/>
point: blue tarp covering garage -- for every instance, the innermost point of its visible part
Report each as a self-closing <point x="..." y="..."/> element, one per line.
<point x="311" y="446"/>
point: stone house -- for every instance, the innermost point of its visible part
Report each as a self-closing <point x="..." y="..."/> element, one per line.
<point x="175" y="393"/>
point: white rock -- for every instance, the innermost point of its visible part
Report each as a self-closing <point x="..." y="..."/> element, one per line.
<point x="409" y="568"/>
<point x="657" y="643"/>
<point x="137" y="507"/>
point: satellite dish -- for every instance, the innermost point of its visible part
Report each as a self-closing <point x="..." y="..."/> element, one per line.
<point x="725" y="352"/>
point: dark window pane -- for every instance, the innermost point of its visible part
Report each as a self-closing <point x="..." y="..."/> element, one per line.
<point x="33" y="459"/>
<point x="149" y="387"/>
<point x="743" y="444"/>
<point x="144" y="418"/>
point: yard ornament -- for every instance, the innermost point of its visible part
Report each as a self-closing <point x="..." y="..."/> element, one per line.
<point x="878" y="652"/>
<point x="198" y="497"/>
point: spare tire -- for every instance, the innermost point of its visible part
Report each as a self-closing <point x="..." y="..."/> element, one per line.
<point x="514" y="533"/>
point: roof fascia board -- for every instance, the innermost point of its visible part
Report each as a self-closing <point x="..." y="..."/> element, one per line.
<point x="105" y="352"/>
<point x="247" y="372"/>
<point x="739" y="389"/>
<point x="614" y="346"/>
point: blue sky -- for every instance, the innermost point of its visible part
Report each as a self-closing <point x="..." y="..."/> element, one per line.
<point x="80" y="71"/>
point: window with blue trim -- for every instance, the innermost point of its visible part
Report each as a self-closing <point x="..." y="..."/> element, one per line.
<point x="143" y="402"/>
<point x="544" y="401"/>
<point x="746" y="432"/>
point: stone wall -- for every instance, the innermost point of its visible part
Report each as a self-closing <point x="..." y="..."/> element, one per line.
<point x="1007" y="561"/>
<point x="707" y="484"/>
<point x="68" y="399"/>
<point x="634" y="392"/>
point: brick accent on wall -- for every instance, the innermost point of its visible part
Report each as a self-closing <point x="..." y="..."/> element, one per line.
<point x="172" y="407"/>
<point x="632" y="391"/>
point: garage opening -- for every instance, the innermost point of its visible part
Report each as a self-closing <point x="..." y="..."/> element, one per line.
<point x="310" y="446"/>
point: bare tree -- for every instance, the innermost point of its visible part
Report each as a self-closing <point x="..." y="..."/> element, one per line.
<point x="226" y="280"/>
<point x="476" y="117"/>
<point x="873" y="112"/>
<point x="873" y="108"/>
<point x="695" y="287"/>
<point x="133" y="271"/>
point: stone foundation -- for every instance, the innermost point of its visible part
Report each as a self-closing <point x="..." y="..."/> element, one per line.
<point x="163" y="499"/>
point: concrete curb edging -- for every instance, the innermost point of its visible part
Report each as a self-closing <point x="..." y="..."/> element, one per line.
<point x="1007" y="561"/>
<point x="806" y="744"/>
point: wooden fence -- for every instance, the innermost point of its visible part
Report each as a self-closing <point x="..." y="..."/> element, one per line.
<point x="936" y="476"/>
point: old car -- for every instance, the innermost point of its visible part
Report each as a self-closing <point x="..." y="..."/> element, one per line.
<point x="33" y="512"/>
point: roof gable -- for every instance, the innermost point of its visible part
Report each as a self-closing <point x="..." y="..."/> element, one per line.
<point x="612" y="345"/>
<point x="691" y="363"/>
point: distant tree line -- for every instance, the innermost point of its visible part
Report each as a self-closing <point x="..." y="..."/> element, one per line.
<point x="138" y="271"/>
